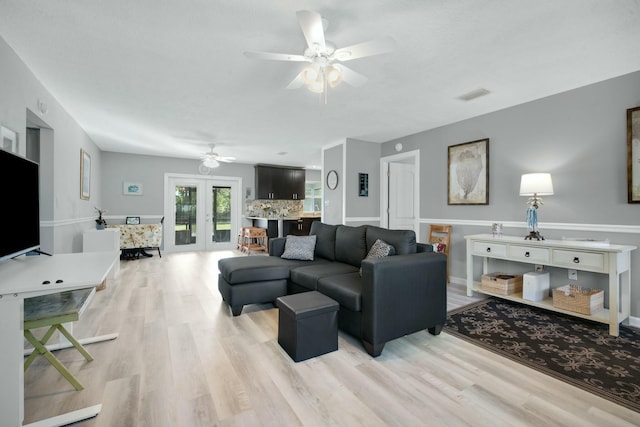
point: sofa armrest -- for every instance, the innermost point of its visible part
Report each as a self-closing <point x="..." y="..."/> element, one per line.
<point x="424" y="247"/>
<point x="276" y="246"/>
<point x="402" y="294"/>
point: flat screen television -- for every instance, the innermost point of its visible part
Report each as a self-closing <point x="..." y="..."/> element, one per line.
<point x="20" y="207"/>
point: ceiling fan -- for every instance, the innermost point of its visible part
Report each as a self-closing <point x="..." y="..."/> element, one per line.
<point x="212" y="160"/>
<point x="326" y="67"/>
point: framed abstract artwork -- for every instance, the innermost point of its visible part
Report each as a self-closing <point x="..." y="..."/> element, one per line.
<point x="633" y="155"/>
<point x="468" y="173"/>
<point x="363" y="184"/>
<point x="132" y="189"/>
<point x="85" y="175"/>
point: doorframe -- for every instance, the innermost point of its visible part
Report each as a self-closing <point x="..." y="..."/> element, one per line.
<point x="169" y="206"/>
<point x="384" y="186"/>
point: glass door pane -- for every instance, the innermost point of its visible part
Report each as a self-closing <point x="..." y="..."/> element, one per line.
<point x="221" y="220"/>
<point x="186" y="209"/>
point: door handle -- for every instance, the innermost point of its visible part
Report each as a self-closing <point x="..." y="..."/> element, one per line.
<point x="527" y="254"/>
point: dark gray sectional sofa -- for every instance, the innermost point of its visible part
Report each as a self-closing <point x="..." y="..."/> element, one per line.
<point x="391" y="297"/>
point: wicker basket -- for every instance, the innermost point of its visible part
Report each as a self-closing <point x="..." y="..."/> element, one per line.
<point x="501" y="283"/>
<point x="574" y="298"/>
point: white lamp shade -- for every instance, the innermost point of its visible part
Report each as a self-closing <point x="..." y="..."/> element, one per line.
<point x="536" y="183"/>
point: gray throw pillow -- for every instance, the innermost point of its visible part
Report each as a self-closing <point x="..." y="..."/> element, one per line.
<point x="379" y="249"/>
<point x="299" y="247"/>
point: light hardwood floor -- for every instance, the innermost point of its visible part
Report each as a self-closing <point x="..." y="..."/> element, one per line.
<point x="182" y="360"/>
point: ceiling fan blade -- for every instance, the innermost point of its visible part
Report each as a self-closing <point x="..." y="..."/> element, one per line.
<point x="226" y="159"/>
<point x="368" y="48"/>
<point x="275" y="56"/>
<point x="352" y="77"/>
<point x="311" y="24"/>
<point x="297" y="82"/>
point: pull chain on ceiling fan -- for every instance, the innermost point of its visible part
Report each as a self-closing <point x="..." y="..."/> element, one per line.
<point x="326" y="68"/>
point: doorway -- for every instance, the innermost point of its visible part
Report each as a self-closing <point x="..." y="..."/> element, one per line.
<point x="400" y="191"/>
<point x="201" y="214"/>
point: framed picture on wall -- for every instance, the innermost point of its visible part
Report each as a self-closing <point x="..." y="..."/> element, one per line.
<point x="132" y="189"/>
<point x="363" y="184"/>
<point x="633" y="155"/>
<point x="85" y="175"/>
<point x="468" y="173"/>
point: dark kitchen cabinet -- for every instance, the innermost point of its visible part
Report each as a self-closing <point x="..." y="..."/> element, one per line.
<point x="302" y="226"/>
<point x="279" y="183"/>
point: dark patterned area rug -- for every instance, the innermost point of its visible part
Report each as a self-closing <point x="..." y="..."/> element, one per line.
<point x="577" y="351"/>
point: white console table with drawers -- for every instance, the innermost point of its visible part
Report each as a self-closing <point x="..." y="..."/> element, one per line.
<point x="612" y="260"/>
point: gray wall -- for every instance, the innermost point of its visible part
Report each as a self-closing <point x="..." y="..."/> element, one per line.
<point x="150" y="171"/>
<point x="332" y="209"/>
<point x="578" y="136"/>
<point x="63" y="214"/>
<point x="362" y="210"/>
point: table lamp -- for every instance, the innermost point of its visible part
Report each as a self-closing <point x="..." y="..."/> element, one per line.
<point x="535" y="185"/>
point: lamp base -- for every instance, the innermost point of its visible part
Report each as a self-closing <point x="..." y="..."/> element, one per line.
<point x="534" y="235"/>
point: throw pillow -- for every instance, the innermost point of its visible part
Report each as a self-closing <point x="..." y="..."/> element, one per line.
<point x="299" y="247"/>
<point x="438" y="247"/>
<point x="379" y="249"/>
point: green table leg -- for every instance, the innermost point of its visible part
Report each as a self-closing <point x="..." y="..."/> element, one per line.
<point x="40" y="347"/>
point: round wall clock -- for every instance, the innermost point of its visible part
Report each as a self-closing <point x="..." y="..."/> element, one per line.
<point x="332" y="180"/>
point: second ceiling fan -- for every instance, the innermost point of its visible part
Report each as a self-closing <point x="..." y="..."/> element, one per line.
<point x="326" y="68"/>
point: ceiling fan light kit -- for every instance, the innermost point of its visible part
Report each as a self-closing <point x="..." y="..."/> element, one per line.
<point x="211" y="160"/>
<point x="211" y="163"/>
<point x="323" y="55"/>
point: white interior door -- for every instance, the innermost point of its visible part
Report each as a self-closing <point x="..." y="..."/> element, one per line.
<point x="401" y="209"/>
<point x="201" y="213"/>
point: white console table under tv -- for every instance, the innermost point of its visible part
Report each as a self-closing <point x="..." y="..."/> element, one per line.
<point x="612" y="260"/>
<point x="30" y="276"/>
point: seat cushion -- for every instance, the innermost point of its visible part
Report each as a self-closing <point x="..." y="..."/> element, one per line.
<point x="351" y="246"/>
<point x="254" y="268"/>
<point x="404" y="241"/>
<point x="307" y="276"/>
<point x="344" y="288"/>
<point x="326" y="240"/>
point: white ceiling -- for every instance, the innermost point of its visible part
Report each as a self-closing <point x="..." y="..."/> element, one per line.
<point x="169" y="77"/>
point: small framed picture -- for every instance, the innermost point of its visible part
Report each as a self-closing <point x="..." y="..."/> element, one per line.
<point x="133" y="220"/>
<point x="363" y="184"/>
<point x="85" y="175"/>
<point x="132" y="189"/>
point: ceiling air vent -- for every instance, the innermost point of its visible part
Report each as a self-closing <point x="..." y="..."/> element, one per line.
<point x="474" y="94"/>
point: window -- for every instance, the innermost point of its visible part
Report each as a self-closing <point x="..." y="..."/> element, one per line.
<point x="312" y="196"/>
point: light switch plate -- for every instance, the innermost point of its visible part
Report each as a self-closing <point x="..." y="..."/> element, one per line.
<point x="573" y="274"/>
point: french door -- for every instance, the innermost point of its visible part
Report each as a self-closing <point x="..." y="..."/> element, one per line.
<point x="201" y="214"/>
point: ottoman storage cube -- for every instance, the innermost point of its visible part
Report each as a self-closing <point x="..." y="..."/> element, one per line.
<point x="307" y="325"/>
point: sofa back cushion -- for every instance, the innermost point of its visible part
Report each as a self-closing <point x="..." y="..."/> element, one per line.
<point x="351" y="245"/>
<point x="325" y="240"/>
<point x="403" y="241"/>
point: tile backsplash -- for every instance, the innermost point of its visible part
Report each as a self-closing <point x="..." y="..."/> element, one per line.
<point x="273" y="208"/>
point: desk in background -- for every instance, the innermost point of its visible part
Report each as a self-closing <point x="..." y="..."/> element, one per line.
<point x="139" y="236"/>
